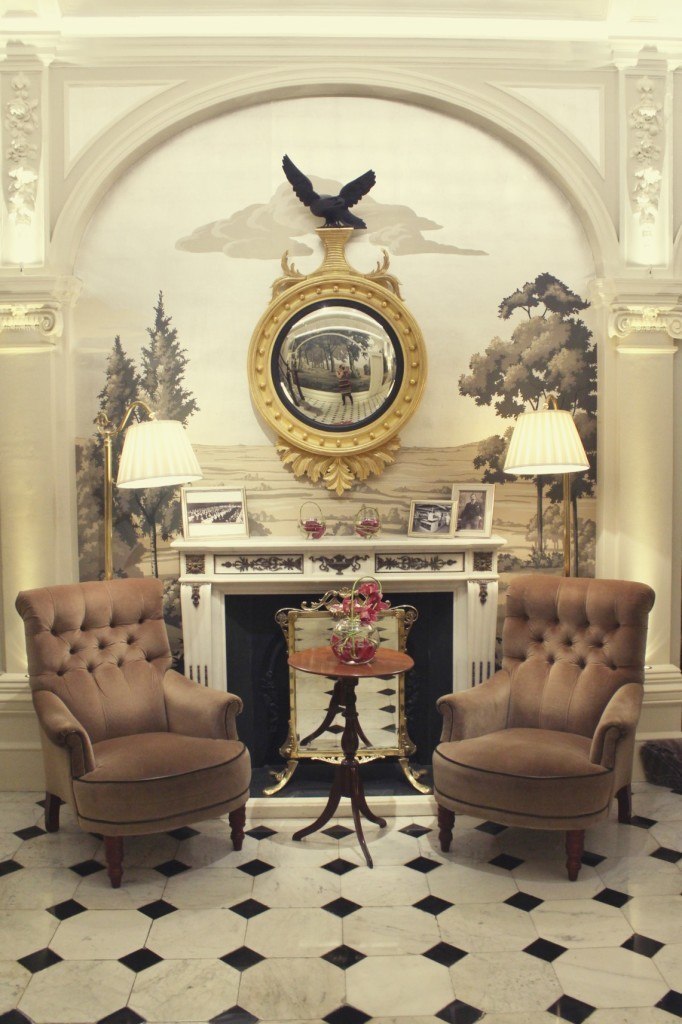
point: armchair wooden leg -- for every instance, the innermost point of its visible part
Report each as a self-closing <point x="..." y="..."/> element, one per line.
<point x="52" y="805"/>
<point x="237" y="821"/>
<point x="113" y="849"/>
<point x="446" y="823"/>
<point x="575" y="842"/>
<point x="624" y="798"/>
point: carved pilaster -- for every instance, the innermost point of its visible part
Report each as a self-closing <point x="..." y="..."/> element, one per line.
<point x="639" y="318"/>
<point x="32" y="311"/>
<point x="21" y="118"/>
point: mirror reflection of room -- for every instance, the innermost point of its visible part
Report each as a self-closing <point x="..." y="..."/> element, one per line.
<point x="336" y="366"/>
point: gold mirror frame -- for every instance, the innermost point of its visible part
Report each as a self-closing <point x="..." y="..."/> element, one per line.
<point x="330" y="456"/>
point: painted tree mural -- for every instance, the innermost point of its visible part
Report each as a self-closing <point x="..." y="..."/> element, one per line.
<point x="550" y="353"/>
<point x="151" y="513"/>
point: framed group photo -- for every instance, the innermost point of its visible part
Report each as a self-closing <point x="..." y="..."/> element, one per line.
<point x="473" y="509"/>
<point x="431" y="519"/>
<point x="214" y="512"/>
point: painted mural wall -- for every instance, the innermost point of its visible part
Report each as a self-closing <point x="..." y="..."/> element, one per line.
<point x="177" y="265"/>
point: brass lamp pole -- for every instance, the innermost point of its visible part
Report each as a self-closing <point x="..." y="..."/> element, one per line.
<point x="156" y="453"/>
<point x="546" y="442"/>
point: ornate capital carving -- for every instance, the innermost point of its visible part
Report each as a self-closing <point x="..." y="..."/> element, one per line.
<point x="636" y="318"/>
<point x="40" y="317"/>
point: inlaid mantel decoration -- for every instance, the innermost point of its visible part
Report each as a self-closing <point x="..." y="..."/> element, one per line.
<point x="493" y="263"/>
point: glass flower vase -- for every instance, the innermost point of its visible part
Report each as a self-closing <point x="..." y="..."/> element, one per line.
<point x="354" y="642"/>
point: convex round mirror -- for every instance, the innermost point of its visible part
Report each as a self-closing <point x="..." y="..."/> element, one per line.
<point x="336" y="367"/>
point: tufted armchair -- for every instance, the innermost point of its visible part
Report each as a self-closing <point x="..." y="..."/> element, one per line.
<point x="547" y="742"/>
<point x="134" y="747"/>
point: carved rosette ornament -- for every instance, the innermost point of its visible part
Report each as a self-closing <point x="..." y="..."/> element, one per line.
<point x="22" y="155"/>
<point x="336" y="366"/>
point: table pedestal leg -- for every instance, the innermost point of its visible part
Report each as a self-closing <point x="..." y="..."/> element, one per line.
<point x="347" y="781"/>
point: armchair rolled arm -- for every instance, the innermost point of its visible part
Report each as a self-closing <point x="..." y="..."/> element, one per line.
<point x="617" y="723"/>
<point x="194" y="710"/>
<point x="478" y="711"/>
<point x="64" y="730"/>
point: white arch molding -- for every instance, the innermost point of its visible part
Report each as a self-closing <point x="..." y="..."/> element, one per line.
<point x="137" y="134"/>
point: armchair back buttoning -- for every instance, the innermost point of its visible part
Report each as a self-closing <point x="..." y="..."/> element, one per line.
<point x="131" y="745"/>
<point x="547" y="742"/>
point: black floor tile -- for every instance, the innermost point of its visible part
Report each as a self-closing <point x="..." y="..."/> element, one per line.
<point x="639" y="822"/>
<point x="14" y="1017"/>
<point x="543" y="949"/>
<point x="40" y="960"/>
<point x="339" y="866"/>
<point x="432" y="905"/>
<point x="445" y="954"/>
<point x="591" y="859"/>
<point x="254" y="867"/>
<point x="235" y="1015"/>
<point x="612" y="897"/>
<point x="343" y="956"/>
<point x="185" y="832"/>
<point x="87" y="867"/>
<point x="491" y="827"/>
<point x="506" y="861"/>
<point x="140" y="960"/>
<point x="458" y="1012"/>
<point x="341" y="907"/>
<point x="671" y="1002"/>
<point x="249" y="908"/>
<point x="570" y="1009"/>
<point x="261" y="832"/>
<point x="30" y="833"/>
<point x="8" y="866"/>
<point x="337" y="831"/>
<point x="243" y="958"/>
<point x="68" y="908"/>
<point x="171" y="867"/>
<point x="123" y="1016"/>
<point x="347" y="1015"/>
<point x="643" y="945"/>
<point x="663" y="853"/>
<point x="423" y="864"/>
<point x="157" y="909"/>
<point x="524" y="901"/>
<point x="415" y="830"/>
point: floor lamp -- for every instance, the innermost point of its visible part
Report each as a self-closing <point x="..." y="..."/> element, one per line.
<point x="547" y="442"/>
<point x="156" y="453"/>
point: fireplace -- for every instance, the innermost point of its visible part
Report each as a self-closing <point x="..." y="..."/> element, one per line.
<point x="231" y="589"/>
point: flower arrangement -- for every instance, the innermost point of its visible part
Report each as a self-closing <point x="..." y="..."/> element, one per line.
<point x="354" y="639"/>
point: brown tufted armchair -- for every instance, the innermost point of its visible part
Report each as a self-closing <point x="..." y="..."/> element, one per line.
<point x="548" y="741"/>
<point x="134" y="747"/>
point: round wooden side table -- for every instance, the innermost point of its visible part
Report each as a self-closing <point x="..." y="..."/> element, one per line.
<point x="347" y="782"/>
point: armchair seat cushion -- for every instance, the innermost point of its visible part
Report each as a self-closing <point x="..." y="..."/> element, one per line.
<point x="152" y="781"/>
<point x="535" y="778"/>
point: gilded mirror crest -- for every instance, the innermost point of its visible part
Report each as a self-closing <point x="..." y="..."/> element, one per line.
<point x="337" y="365"/>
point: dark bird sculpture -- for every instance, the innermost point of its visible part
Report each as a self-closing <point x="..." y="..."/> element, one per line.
<point x="334" y="209"/>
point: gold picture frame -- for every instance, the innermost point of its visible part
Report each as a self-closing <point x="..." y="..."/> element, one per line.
<point x="336" y="366"/>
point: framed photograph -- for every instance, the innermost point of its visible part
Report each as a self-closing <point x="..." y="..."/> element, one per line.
<point x="473" y="509"/>
<point x="431" y="519"/>
<point x="214" y="512"/>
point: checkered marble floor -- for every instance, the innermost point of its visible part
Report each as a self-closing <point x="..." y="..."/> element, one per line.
<point x="297" y="932"/>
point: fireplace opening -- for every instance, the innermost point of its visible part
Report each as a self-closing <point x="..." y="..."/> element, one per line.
<point x="257" y="672"/>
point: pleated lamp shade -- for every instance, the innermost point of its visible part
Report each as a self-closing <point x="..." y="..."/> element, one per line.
<point x="157" y="453"/>
<point x="546" y="441"/>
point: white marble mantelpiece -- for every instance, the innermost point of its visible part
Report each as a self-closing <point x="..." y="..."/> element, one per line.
<point x="465" y="567"/>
